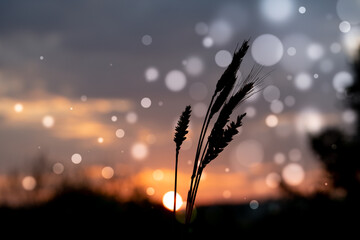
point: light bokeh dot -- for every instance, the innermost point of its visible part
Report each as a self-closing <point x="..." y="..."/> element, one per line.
<point x="276" y="11"/>
<point x="175" y="80"/>
<point x="151" y="74"/>
<point x="48" y="121"/>
<point x="271" y="121"/>
<point x="28" y="183"/>
<point x="18" y="107"/>
<point x="315" y="51"/>
<point x="271" y="93"/>
<point x="223" y="58"/>
<point x="348" y="10"/>
<point x="279" y="158"/>
<point x="250" y="112"/>
<point x="254" y="204"/>
<point x="345" y="27"/>
<point x="221" y="32"/>
<point x="158" y="175"/>
<point x="293" y="174"/>
<point x="349" y="116"/>
<point x="289" y="101"/>
<point x="58" y="168"/>
<point x="139" y="151"/>
<point x="267" y="50"/>
<point x="309" y="120"/>
<point x="273" y="180"/>
<point x="131" y="117"/>
<point x="120" y="133"/>
<point x="150" y="191"/>
<point x="303" y="81"/>
<point x="276" y="106"/>
<point x="226" y="194"/>
<point x="194" y="66"/>
<point x="291" y="51"/>
<point x="107" y="172"/>
<point x="76" y="158"/>
<point x="342" y="80"/>
<point x="208" y="42"/>
<point x="200" y="109"/>
<point x="146" y="40"/>
<point x="145" y="102"/>
<point x="302" y="10"/>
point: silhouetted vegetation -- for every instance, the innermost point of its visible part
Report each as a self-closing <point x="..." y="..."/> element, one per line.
<point x="229" y="93"/>
<point x="338" y="151"/>
<point x="84" y="213"/>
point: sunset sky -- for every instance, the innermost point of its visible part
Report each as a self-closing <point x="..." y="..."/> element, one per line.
<point x="97" y="86"/>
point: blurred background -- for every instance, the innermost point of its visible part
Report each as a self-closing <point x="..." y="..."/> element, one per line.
<point x="90" y="92"/>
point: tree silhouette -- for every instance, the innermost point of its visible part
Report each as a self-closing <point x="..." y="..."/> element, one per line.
<point x="339" y="151"/>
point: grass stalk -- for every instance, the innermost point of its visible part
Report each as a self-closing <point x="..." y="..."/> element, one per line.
<point x="179" y="138"/>
<point x="228" y="94"/>
<point x="198" y="150"/>
<point x="175" y="182"/>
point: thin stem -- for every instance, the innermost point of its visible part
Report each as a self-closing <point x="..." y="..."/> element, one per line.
<point x="175" y="187"/>
<point x="197" y="181"/>
<point x="198" y="150"/>
<point x="202" y="135"/>
<point x="196" y="186"/>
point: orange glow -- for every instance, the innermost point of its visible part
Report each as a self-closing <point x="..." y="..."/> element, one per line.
<point x="18" y="107"/>
<point x="78" y="123"/>
<point x="168" y="201"/>
<point x="216" y="188"/>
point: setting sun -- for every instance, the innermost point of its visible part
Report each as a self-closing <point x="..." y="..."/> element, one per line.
<point x="168" y="200"/>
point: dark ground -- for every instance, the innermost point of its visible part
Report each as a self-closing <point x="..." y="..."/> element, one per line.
<point x="84" y="214"/>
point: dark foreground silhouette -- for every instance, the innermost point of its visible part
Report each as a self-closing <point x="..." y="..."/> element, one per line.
<point x="85" y="214"/>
